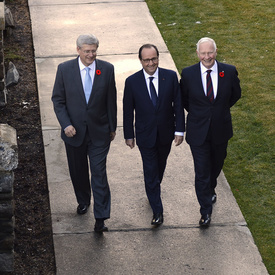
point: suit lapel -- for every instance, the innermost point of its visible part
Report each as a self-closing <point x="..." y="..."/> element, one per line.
<point x="97" y="79"/>
<point x="143" y="87"/>
<point x="161" y="87"/>
<point x="76" y="74"/>
<point x="198" y="76"/>
<point x="220" y="78"/>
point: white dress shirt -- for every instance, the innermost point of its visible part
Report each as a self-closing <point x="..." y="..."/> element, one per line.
<point x="214" y="77"/>
<point x="83" y="72"/>
<point x="155" y="81"/>
<point x="156" y="84"/>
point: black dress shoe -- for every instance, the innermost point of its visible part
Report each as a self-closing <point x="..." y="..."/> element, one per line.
<point x="100" y="226"/>
<point x="82" y="209"/>
<point x="214" y="198"/>
<point x="205" y="220"/>
<point x="157" y="219"/>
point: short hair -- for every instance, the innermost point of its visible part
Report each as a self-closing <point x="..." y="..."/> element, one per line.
<point x="88" y="39"/>
<point x="206" y="39"/>
<point x="147" y="46"/>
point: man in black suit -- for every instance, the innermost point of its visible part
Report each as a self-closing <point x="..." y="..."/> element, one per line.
<point x="153" y="95"/>
<point x="209" y="89"/>
<point x="84" y="99"/>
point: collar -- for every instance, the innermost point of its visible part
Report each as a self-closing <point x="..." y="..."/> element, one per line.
<point x="155" y="75"/>
<point x="214" y="68"/>
<point x="82" y="66"/>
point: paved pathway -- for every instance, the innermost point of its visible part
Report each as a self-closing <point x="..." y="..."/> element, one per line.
<point x="131" y="246"/>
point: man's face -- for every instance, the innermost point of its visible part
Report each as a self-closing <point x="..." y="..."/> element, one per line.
<point x="149" y="60"/>
<point x="87" y="54"/>
<point x="207" y="54"/>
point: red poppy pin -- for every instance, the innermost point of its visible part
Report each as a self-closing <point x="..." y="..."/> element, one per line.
<point x="221" y="74"/>
<point x="98" y="72"/>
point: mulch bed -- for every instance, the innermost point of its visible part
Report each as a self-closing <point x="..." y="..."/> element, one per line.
<point x="33" y="247"/>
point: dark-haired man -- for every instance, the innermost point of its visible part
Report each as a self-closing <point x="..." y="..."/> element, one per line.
<point x="152" y="99"/>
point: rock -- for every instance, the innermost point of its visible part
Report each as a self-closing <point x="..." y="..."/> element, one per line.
<point x="3" y="97"/>
<point x="9" y="22"/>
<point x="8" y="148"/>
<point x="7" y="262"/>
<point x="12" y="75"/>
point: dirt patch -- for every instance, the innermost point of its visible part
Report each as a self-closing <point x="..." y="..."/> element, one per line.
<point x="34" y="252"/>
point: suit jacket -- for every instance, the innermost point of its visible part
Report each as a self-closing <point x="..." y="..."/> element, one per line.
<point x="151" y="122"/>
<point x="99" y="116"/>
<point x="204" y="115"/>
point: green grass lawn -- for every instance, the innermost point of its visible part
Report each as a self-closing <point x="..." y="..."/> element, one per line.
<point x="244" y="33"/>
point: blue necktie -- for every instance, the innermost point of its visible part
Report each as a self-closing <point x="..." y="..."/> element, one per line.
<point x="153" y="92"/>
<point x="209" y="86"/>
<point x="87" y="84"/>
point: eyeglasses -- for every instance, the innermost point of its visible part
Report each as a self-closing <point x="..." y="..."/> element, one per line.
<point x="91" y="51"/>
<point x="154" y="60"/>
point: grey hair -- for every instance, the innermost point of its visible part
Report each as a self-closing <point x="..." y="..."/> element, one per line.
<point x="88" y="39"/>
<point x="206" y="39"/>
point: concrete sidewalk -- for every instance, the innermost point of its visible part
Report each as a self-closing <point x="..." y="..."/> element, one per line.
<point x="131" y="246"/>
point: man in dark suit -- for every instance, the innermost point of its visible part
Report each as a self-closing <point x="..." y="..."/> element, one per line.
<point x="153" y="95"/>
<point x="84" y="99"/>
<point x="209" y="89"/>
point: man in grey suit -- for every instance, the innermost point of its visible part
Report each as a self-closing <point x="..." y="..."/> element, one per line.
<point x="84" y="99"/>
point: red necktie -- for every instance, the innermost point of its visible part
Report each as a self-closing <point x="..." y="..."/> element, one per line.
<point x="209" y="86"/>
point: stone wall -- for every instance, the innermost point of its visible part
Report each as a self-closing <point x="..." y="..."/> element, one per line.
<point x="8" y="162"/>
<point x="3" y="97"/>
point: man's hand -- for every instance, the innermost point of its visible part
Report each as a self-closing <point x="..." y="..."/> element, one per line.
<point x="70" y="131"/>
<point x="112" y="135"/>
<point x="178" y="140"/>
<point x="130" y="142"/>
